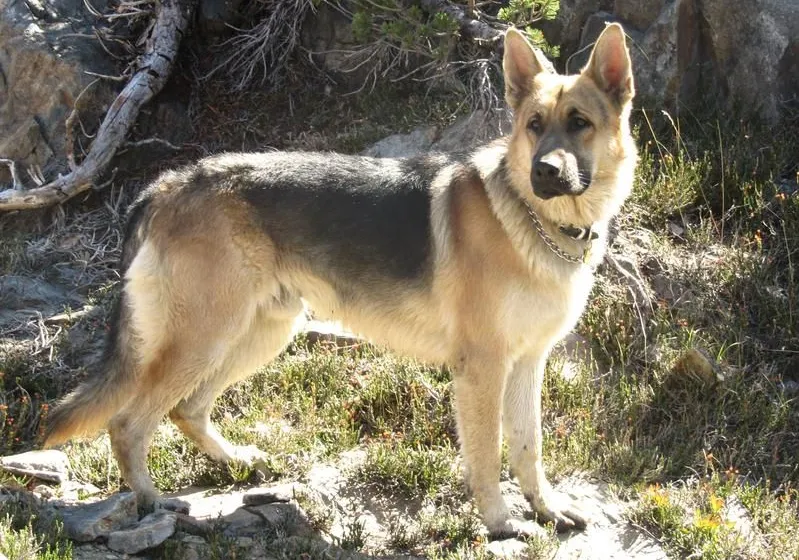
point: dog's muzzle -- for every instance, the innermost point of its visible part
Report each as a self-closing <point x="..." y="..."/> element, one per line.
<point x="554" y="175"/>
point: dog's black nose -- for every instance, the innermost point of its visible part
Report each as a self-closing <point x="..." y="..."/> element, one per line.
<point x="546" y="170"/>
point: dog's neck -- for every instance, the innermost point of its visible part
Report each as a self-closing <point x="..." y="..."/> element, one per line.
<point x="568" y="244"/>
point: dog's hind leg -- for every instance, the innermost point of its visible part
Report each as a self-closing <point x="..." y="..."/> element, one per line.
<point x="522" y="421"/>
<point x="132" y="427"/>
<point x="267" y="337"/>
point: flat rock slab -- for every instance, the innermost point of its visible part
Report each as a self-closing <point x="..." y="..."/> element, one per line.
<point x="49" y="464"/>
<point x="150" y="532"/>
<point x="86" y="522"/>
<point x="209" y="505"/>
<point x="280" y="493"/>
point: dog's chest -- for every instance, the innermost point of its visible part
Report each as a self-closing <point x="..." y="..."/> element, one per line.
<point x="540" y="312"/>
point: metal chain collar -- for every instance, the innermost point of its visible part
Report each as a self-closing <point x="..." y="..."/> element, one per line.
<point x="539" y="227"/>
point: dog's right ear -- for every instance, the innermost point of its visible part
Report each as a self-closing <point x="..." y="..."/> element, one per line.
<point x="520" y="65"/>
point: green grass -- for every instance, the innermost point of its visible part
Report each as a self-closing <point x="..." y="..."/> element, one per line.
<point x="25" y="535"/>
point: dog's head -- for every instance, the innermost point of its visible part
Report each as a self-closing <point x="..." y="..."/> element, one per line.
<point x="571" y="153"/>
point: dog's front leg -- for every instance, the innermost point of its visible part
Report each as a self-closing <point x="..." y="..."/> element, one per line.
<point x="478" y="387"/>
<point x="523" y="427"/>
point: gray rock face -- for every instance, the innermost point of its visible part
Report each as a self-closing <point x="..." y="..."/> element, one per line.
<point x="45" y="49"/>
<point x="754" y="48"/>
<point x="86" y="522"/>
<point x="467" y="132"/>
<point x="48" y="464"/>
<point x="150" y="532"/>
<point x="746" y="53"/>
<point x="639" y="13"/>
<point x="21" y="296"/>
<point x="564" y="30"/>
<point x="404" y="145"/>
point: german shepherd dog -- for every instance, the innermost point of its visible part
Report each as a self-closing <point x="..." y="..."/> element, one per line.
<point x="482" y="261"/>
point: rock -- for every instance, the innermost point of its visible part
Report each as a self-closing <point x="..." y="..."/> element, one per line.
<point x="564" y="30"/>
<point x="244" y="542"/>
<point x="94" y="551"/>
<point x="193" y="539"/>
<point x="738" y="517"/>
<point x="205" y="506"/>
<point x="48" y="464"/>
<point x="73" y="491"/>
<point x="86" y="522"/>
<point x="46" y="49"/>
<point x="575" y="353"/>
<point x="752" y="49"/>
<point x="21" y="294"/>
<point x="331" y="335"/>
<point x="638" y="13"/>
<point x="507" y="548"/>
<point x="301" y="547"/>
<point x="280" y="493"/>
<point x="414" y="143"/>
<point x="242" y="522"/>
<point x="667" y="288"/>
<point x="473" y="130"/>
<point x="191" y="525"/>
<point x="25" y="144"/>
<point x="697" y="364"/>
<point x="44" y="491"/>
<point x="150" y="532"/>
<point x="466" y="133"/>
<point x="675" y="229"/>
<point x="683" y="50"/>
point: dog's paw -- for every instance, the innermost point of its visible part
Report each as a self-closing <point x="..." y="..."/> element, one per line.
<point x="554" y="507"/>
<point x="513" y="527"/>
<point x="253" y="458"/>
<point x="149" y="503"/>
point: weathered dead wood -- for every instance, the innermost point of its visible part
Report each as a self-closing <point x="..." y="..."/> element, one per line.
<point x="153" y="69"/>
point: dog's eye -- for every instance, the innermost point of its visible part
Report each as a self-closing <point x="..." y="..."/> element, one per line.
<point x="535" y="124"/>
<point x="577" y="123"/>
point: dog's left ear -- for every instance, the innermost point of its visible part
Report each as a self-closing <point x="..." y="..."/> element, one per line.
<point x="610" y="66"/>
<point x="520" y="65"/>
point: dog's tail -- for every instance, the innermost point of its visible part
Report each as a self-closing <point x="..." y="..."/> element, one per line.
<point x="88" y="408"/>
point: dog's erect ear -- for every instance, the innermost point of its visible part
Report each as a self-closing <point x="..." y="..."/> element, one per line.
<point x="519" y="65"/>
<point x="610" y="65"/>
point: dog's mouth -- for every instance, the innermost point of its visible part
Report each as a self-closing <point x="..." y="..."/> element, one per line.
<point x="560" y="186"/>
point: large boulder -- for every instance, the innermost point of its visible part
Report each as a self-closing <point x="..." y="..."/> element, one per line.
<point x="46" y="49"/>
<point x="744" y="51"/>
<point x="754" y="46"/>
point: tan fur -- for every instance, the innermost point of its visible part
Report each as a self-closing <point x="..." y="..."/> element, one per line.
<point x="212" y="297"/>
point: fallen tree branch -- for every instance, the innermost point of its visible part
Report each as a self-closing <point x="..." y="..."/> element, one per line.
<point x="154" y="67"/>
